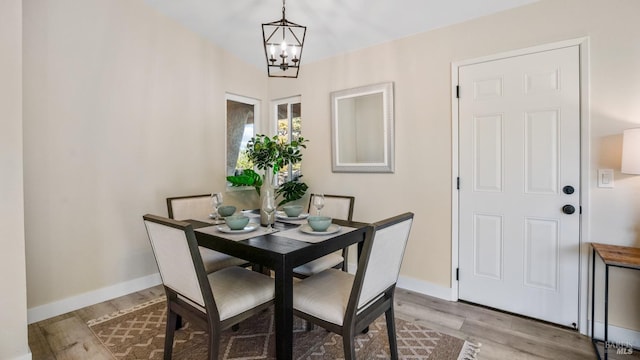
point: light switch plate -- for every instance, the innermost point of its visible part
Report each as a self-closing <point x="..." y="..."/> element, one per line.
<point x="605" y="178"/>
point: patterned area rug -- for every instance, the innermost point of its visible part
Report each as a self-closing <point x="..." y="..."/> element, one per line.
<point x="138" y="333"/>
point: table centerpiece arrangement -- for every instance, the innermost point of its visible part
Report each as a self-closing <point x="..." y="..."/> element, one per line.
<point x="270" y="154"/>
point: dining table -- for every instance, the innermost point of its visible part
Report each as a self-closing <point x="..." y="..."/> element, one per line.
<point x="287" y="244"/>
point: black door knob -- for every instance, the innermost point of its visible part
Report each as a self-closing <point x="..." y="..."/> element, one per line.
<point x="568" y="209"/>
<point x="568" y="190"/>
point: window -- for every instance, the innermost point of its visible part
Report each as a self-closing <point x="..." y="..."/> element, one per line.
<point x="242" y="119"/>
<point x="288" y="115"/>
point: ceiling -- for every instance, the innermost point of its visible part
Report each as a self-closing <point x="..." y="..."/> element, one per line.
<point x="333" y="26"/>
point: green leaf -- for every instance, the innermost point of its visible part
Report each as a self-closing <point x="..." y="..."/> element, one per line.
<point x="291" y="191"/>
<point x="247" y="177"/>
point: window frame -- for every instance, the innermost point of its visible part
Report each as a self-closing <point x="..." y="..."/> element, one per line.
<point x="289" y="101"/>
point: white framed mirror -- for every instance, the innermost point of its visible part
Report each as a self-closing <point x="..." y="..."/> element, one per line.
<point x="362" y="124"/>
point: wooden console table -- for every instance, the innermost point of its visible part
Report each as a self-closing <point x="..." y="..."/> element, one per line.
<point x="612" y="255"/>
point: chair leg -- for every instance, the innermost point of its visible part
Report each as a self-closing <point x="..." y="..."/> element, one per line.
<point x="214" y="343"/>
<point x="172" y="318"/>
<point x="391" y="333"/>
<point x="178" y="322"/>
<point x="349" y="347"/>
<point x="308" y="325"/>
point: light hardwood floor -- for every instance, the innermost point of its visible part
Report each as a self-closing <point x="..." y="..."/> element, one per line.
<point x="503" y="336"/>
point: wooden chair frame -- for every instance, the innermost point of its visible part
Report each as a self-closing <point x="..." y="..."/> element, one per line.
<point x="170" y="202"/>
<point x="355" y="322"/>
<point x="345" y="252"/>
<point x="178" y="307"/>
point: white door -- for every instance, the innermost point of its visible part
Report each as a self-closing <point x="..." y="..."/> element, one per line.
<point x="519" y="148"/>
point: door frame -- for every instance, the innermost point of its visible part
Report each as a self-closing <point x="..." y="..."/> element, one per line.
<point x="585" y="169"/>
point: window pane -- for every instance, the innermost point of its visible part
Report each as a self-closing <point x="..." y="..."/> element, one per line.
<point x="296" y="132"/>
<point x="289" y="128"/>
<point x="240" y="128"/>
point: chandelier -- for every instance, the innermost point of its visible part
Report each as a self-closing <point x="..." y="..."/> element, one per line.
<point x="283" y="41"/>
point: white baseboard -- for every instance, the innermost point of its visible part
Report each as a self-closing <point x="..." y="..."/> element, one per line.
<point x="618" y="336"/>
<point x="419" y="286"/>
<point x="26" y="356"/>
<point x="426" y="288"/>
<point x="63" y="306"/>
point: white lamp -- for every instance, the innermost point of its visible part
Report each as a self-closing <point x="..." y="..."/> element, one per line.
<point x="631" y="152"/>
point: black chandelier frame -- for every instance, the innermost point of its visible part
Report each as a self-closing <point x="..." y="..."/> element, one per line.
<point x="284" y="62"/>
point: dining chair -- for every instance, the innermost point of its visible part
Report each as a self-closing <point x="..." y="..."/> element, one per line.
<point x="199" y="207"/>
<point x="345" y="303"/>
<point x="214" y="301"/>
<point x="338" y="207"/>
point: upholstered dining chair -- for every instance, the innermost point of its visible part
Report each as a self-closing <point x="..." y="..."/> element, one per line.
<point x="215" y="301"/>
<point x="338" y="207"/>
<point x="345" y="303"/>
<point x="199" y="207"/>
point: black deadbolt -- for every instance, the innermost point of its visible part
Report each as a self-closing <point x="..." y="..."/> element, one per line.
<point x="568" y="190"/>
<point x="568" y="209"/>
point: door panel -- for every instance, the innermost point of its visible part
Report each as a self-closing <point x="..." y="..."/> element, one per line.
<point x="519" y="144"/>
<point x="488" y="245"/>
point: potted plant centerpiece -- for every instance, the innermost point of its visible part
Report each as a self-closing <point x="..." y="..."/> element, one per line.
<point x="270" y="154"/>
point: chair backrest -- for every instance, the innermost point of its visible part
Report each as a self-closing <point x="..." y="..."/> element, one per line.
<point x="176" y="251"/>
<point x="189" y="207"/>
<point x="382" y="255"/>
<point x="336" y="206"/>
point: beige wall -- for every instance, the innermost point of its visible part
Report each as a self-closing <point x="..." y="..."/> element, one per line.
<point x="123" y="108"/>
<point x="13" y="312"/>
<point x="420" y="67"/>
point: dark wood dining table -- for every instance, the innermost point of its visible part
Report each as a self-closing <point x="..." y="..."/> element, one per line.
<point x="282" y="255"/>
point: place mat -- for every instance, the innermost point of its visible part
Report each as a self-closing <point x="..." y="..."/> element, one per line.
<point x="296" y="234"/>
<point x="138" y="333"/>
<point x="212" y="230"/>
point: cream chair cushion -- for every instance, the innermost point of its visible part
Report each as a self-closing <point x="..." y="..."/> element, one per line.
<point x="199" y="208"/>
<point x="318" y="265"/>
<point x="214" y="260"/>
<point x="174" y="260"/>
<point x="334" y="206"/>
<point x="324" y="295"/>
<point x="388" y="249"/>
<point x="191" y="207"/>
<point x="237" y="289"/>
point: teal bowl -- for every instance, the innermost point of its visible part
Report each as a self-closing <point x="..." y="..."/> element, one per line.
<point x="226" y="210"/>
<point x="319" y="223"/>
<point x="236" y="222"/>
<point x="292" y="210"/>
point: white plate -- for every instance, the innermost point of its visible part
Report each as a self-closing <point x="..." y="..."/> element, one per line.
<point x="333" y="228"/>
<point x="225" y="229"/>
<point x="282" y="215"/>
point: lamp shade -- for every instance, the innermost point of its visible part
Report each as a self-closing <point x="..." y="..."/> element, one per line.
<point x="631" y="152"/>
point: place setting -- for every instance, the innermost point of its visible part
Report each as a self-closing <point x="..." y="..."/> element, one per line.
<point x="292" y="214"/>
<point x="315" y="229"/>
<point x="235" y="226"/>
